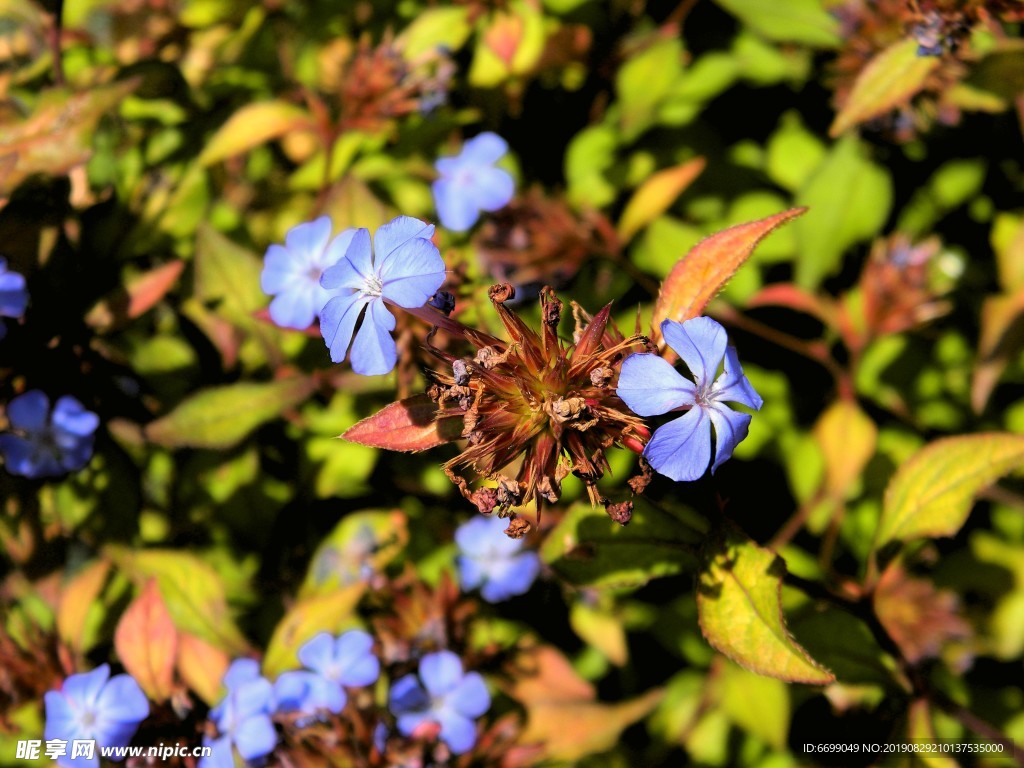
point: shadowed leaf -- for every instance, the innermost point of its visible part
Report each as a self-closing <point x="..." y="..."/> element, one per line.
<point x="738" y="603"/>
<point x="146" y="642"/>
<point x="698" y="276"/>
<point x="412" y="424"/>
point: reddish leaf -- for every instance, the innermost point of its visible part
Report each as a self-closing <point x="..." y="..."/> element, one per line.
<point x="147" y="642"/>
<point x="698" y="276"/>
<point x="140" y="295"/>
<point x="796" y="298"/>
<point x="412" y="424"/>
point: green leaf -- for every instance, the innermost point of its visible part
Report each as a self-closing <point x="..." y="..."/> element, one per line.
<point x="797" y="21"/>
<point x="757" y="704"/>
<point x="889" y="80"/>
<point x="254" y="125"/>
<point x="328" y="612"/>
<point x="588" y="548"/>
<point x="590" y="153"/>
<point x="849" y="197"/>
<point x="220" y="417"/>
<point x="228" y="277"/>
<point x="192" y="591"/>
<point x="435" y="28"/>
<point x="845" y="644"/>
<point x="740" y="612"/>
<point x="793" y="153"/>
<point x="602" y="630"/>
<point x="931" y="494"/>
<point x="644" y="81"/>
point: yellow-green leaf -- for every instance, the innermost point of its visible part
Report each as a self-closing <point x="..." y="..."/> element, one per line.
<point x="328" y="612"/>
<point x="847" y="438"/>
<point x="757" y="704"/>
<point x="76" y="600"/>
<point x="890" y="79"/>
<point x="701" y="273"/>
<point x="361" y="544"/>
<point x="202" y="666"/>
<point x="655" y="195"/>
<point x="931" y="494"/>
<point x="740" y="612"/>
<point x="602" y="630"/>
<point x="253" y="125"/>
<point x="220" y="417"/>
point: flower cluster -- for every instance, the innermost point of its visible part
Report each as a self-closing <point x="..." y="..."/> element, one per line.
<point x="441" y="699"/>
<point x="13" y="296"/>
<point x="94" y="705"/>
<point x="650" y="386"/>
<point x="45" y="444"/>
<point x="501" y="567"/>
<point x="469" y="183"/>
<point x="242" y="717"/>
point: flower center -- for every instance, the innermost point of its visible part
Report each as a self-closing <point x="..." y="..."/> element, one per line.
<point x="88" y="720"/>
<point x="373" y="286"/>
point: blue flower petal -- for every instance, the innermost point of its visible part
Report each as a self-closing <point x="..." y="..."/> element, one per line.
<point x="407" y="695"/>
<point x="456" y="208"/>
<point x="240" y="672"/>
<point x="61" y="722"/>
<point x="412" y="274"/>
<point x="511" y="577"/>
<point x="410" y="721"/>
<point x="279" y="272"/>
<point x="309" y="238"/>
<point x="84" y="690"/>
<point x="701" y="343"/>
<point x="70" y="417"/>
<point x="440" y="672"/>
<point x="396" y="233"/>
<point x="122" y="700"/>
<point x="732" y="386"/>
<point x="470" y="697"/>
<point x="373" y="350"/>
<point x="338" y="247"/>
<point x="681" y="449"/>
<point x="300" y="690"/>
<point x="486" y="148"/>
<point x="338" y="320"/>
<point x="221" y="755"/>
<point x="650" y="386"/>
<point x="253" y="698"/>
<point x="19" y="455"/>
<point x="471" y="574"/>
<point x="318" y="652"/>
<point x="293" y="308"/>
<point x="457" y="731"/>
<point x="493" y="188"/>
<point x="730" y="429"/>
<point x="255" y="737"/>
<point x="355" y="268"/>
<point x="354" y="657"/>
<point x="29" y="411"/>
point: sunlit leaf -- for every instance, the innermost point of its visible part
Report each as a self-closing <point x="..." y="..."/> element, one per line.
<point x="655" y="195"/>
<point x="146" y="642"/>
<point x="847" y="437"/>
<point x="202" y="666"/>
<point x="801" y="21"/>
<point x="702" y="272"/>
<point x="412" y="424"/>
<point x="931" y="494"/>
<point x="889" y="80"/>
<point x="602" y="630"/>
<point x="435" y="28"/>
<point x="220" y="417"/>
<point x="139" y="295"/>
<point x="253" y="125"/>
<point x="1002" y="335"/>
<point x="738" y="602"/>
<point x="757" y="704"/>
<point x="644" y="81"/>
<point x="77" y="599"/>
<point x="360" y="545"/>
<point x="329" y="612"/>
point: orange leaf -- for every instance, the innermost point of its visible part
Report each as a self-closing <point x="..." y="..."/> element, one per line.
<point x="202" y="666"/>
<point x="655" y="195"/>
<point x="698" y="276"/>
<point x="140" y="295"/>
<point x="147" y="642"/>
<point x="412" y="424"/>
<point x="75" y="601"/>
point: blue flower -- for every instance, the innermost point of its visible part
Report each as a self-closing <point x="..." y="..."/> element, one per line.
<point x="649" y="385"/>
<point x="44" y="444"/>
<point x="13" y="296"/>
<point x="94" y="705"/>
<point x="444" y="695"/>
<point x="347" y="660"/>
<point x="291" y="273"/>
<point x="402" y="266"/>
<point x="242" y="717"/>
<point x="469" y="183"/>
<point x="489" y="559"/>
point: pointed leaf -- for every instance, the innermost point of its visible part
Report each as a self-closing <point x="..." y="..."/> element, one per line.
<point x="740" y="611"/>
<point x="1001" y="338"/>
<point x="76" y="600"/>
<point x="847" y="438"/>
<point x="147" y="642"/>
<point x="889" y="80"/>
<point x="698" y="276"/>
<point x="412" y="424"/>
<point x="931" y="494"/>
<point x="202" y="666"/>
<point x="330" y="612"/>
<point x="220" y="417"/>
<point x="139" y="295"/>
<point x="253" y="125"/>
<point x="655" y="195"/>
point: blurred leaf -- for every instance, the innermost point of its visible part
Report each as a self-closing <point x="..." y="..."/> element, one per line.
<point x="757" y="704"/>
<point x="590" y="153"/>
<point x="139" y="294"/>
<point x="931" y="494"/>
<point x="602" y="630"/>
<point x="412" y="424"/>
<point x="847" y="437"/>
<point x="738" y="602"/>
<point x="656" y="195"/>
<point x="360" y="545"/>
<point x="191" y="589"/>
<point x="844" y="643"/>
<point x="920" y="729"/>
<point x="252" y="126"/>
<point x="1007" y="240"/>
<point x="77" y="599"/>
<point x="793" y="153"/>
<point x="702" y="272"/>
<point x="220" y="417"/>
<point x="588" y="548"/>
<point x="59" y="133"/>
<point x="953" y="184"/>
<point x="1000" y="73"/>
<point x="889" y="80"/>
<point x="146" y="643"/>
<point x="202" y="666"/>
<point x="849" y="198"/>
<point x="1001" y="338"/>
<point x="328" y="612"/>
<point x="798" y="21"/>
<point x="227" y="276"/>
<point x="644" y="81"/>
<point x="434" y="28"/>
<point x="509" y="43"/>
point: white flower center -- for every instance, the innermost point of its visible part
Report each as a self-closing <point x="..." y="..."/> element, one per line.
<point x="373" y="286"/>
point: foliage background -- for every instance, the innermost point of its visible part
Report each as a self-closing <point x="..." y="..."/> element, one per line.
<point x="144" y="172"/>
